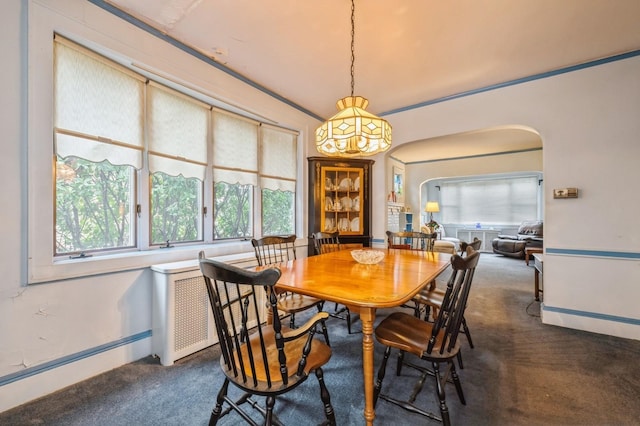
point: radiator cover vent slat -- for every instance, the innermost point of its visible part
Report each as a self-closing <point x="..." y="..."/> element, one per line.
<point x="191" y="313"/>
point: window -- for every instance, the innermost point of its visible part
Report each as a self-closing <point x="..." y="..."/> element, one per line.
<point x="232" y="210"/>
<point x="94" y="206"/>
<point x="177" y="162"/>
<point x="140" y="164"/>
<point x="98" y="141"/>
<point x="278" y="168"/>
<point x="504" y="201"/>
<point x="235" y="173"/>
<point x="176" y="209"/>
<point x="278" y="212"/>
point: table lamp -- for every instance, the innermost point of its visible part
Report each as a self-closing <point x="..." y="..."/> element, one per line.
<point x="431" y="208"/>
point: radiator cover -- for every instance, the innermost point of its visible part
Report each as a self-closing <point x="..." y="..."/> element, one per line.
<point x="181" y="316"/>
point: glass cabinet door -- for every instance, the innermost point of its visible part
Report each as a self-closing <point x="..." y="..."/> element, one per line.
<point x="342" y="200"/>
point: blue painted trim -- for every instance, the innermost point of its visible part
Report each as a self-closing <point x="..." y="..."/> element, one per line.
<point x="491" y="154"/>
<point x="594" y="253"/>
<point x="604" y="317"/>
<point x="516" y="82"/>
<point x="119" y="13"/>
<point x="32" y="371"/>
<point x="185" y="48"/>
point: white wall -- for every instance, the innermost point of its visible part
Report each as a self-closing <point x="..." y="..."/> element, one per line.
<point x="62" y="331"/>
<point x="587" y="120"/>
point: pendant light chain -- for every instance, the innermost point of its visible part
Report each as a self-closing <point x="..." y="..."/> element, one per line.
<point x="353" y="132"/>
<point x="353" y="36"/>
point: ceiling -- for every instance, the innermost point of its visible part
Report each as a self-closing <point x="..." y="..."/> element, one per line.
<point x="407" y="52"/>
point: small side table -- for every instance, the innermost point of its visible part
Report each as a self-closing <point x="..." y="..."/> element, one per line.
<point x="537" y="264"/>
<point x="528" y="251"/>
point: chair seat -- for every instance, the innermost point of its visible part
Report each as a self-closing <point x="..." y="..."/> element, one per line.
<point x="294" y="302"/>
<point x="444" y="246"/>
<point x="258" y="356"/>
<point x="430" y="296"/>
<point x="276" y="249"/>
<point x="456" y="241"/>
<point x="319" y="356"/>
<point x="407" y="333"/>
<point x="435" y="342"/>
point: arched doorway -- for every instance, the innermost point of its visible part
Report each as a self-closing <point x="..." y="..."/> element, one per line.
<point x="503" y="150"/>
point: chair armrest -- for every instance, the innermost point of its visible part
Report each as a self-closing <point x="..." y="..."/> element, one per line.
<point x="303" y="330"/>
<point x="525" y="237"/>
<point x="508" y="237"/>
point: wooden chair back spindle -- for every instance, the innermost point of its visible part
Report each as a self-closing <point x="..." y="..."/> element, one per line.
<point x="259" y="358"/>
<point x="273" y="250"/>
<point x="409" y="240"/>
<point x="451" y="312"/>
<point x="436" y="343"/>
<point x="326" y="242"/>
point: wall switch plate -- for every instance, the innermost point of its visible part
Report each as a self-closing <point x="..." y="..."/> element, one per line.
<point x="565" y="193"/>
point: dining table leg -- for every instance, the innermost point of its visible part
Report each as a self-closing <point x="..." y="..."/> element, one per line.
<point x="367" y="316"/>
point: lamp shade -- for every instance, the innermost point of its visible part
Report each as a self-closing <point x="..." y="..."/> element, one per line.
<point x="353" y="131"/>
<point x="432" y="207"/>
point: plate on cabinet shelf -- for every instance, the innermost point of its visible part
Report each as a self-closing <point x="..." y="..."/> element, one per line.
<point x="355" y="224"/>
<point x="356" y="204"/>
<point x="345" y="184"/>
<point x="328" y="184"/>
<point x="346" y="203"/>
<point x="343" y="224"/>
<point x="328" y="203"/>
<point x="329" y="226"/>
<point x="356" y="184"/>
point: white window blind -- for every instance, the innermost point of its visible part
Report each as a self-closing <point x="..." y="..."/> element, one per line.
<point x="177" y="133"/>
<point x="278" y="165"/>
<point x="490" y="202"/>
<point x="98" y="107"/>
<point x="235" y="149"/>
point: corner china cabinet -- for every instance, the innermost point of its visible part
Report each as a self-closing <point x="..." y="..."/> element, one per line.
<point x="340" y="199"/>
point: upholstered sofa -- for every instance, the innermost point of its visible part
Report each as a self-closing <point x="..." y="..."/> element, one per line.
<point x="530" y="234"/>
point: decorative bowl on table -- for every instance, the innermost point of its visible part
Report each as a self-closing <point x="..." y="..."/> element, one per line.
<point x="367" y="257"/>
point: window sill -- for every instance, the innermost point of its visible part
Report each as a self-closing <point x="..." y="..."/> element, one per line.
<point x="65" y="268"/>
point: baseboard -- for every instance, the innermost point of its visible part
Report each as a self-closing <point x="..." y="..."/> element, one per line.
<point x="627" y="328"/>
<point x="35" y="382"/>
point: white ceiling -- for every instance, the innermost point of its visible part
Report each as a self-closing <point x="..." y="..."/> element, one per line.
<point x="406" y="51"/>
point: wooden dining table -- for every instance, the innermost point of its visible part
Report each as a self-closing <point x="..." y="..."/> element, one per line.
<point x="337" y="277"/>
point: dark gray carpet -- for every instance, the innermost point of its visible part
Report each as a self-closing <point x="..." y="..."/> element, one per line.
<point x="521" y="372"/>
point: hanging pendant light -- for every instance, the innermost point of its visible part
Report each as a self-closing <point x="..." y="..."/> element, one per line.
<point x="353" y="131"/>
